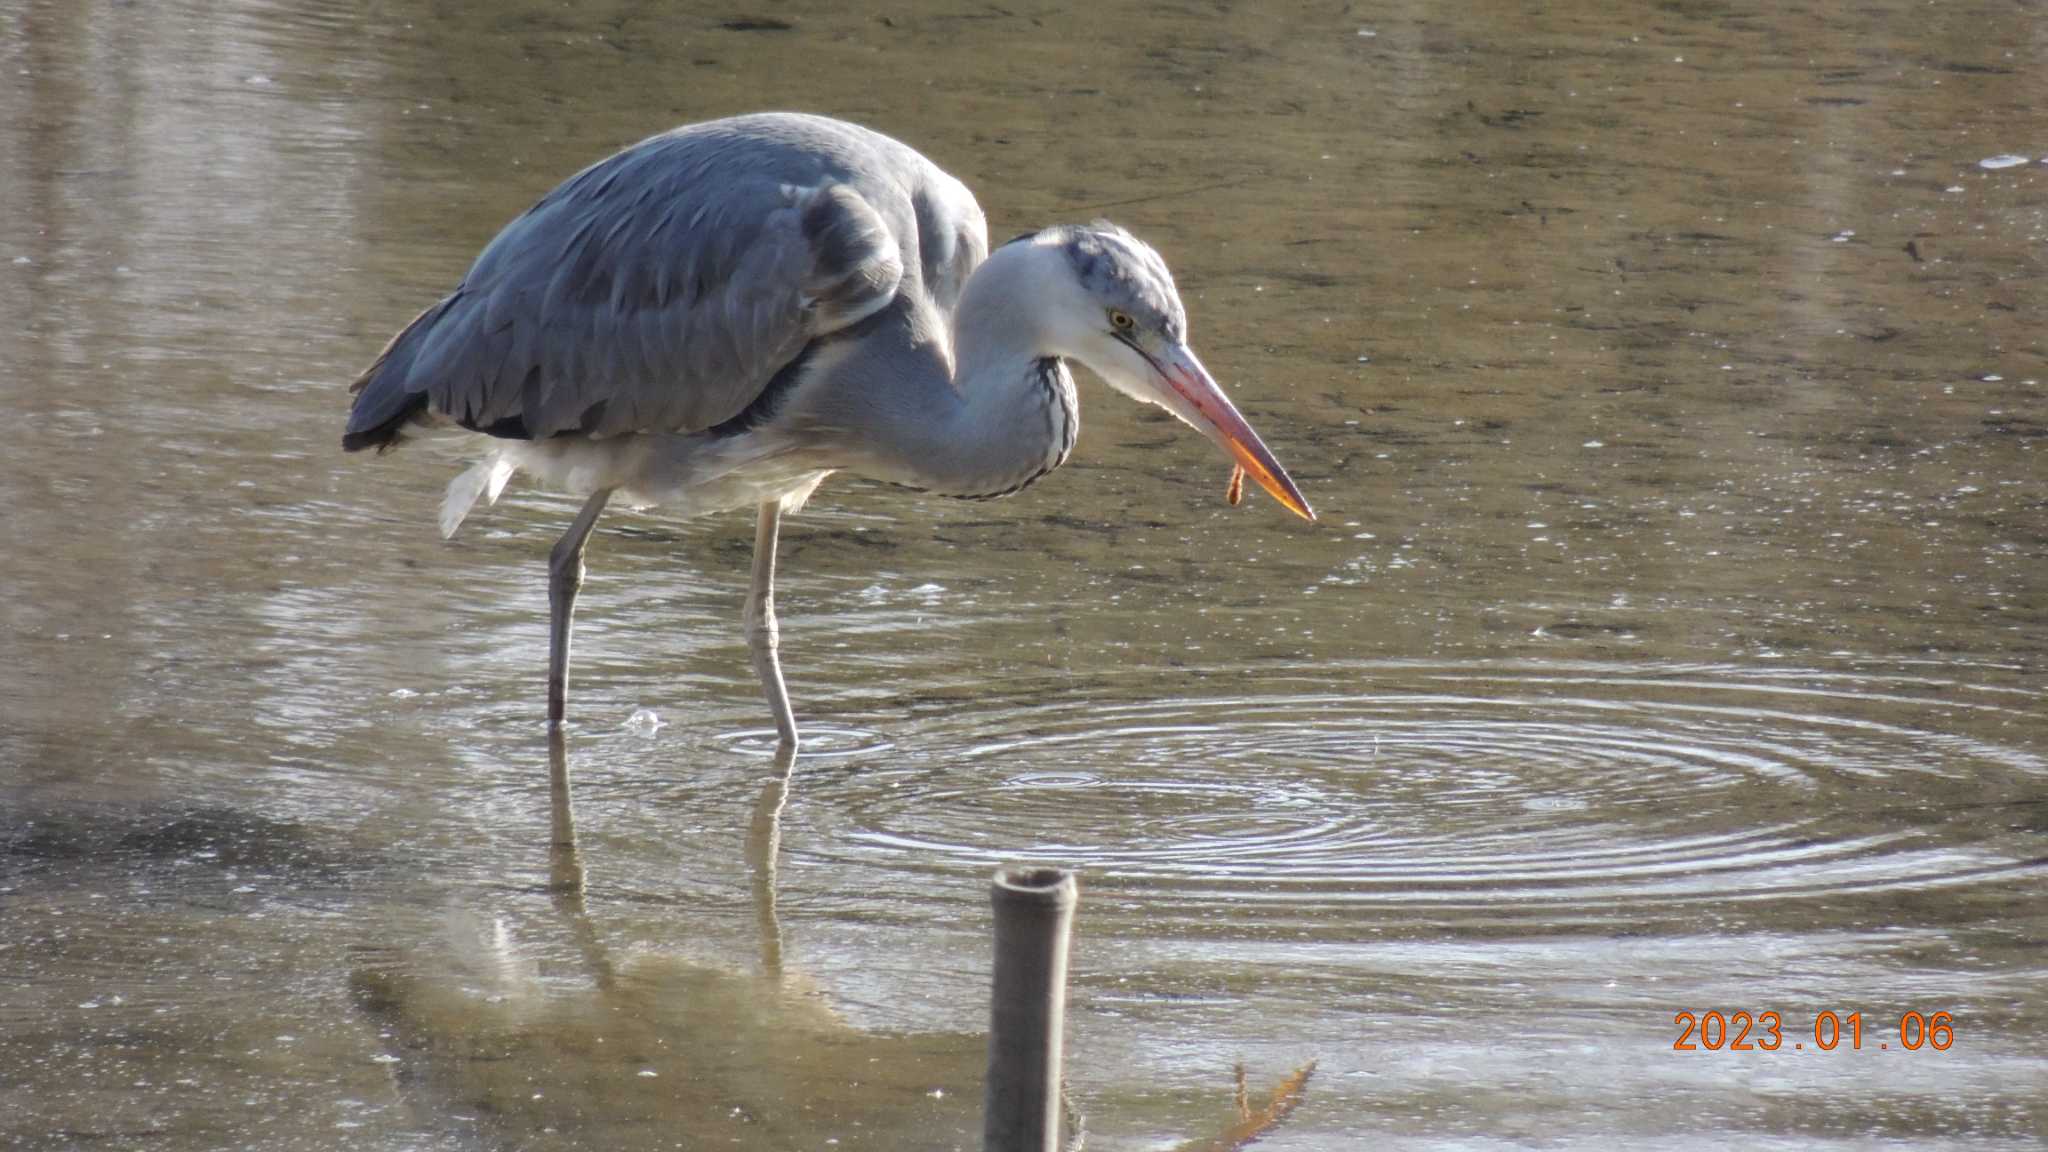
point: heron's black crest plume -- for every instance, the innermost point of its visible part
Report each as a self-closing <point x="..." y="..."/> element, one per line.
<point x="1115" y="265"/>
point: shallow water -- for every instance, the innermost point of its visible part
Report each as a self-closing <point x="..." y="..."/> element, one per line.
<point x="1669" y="381"/>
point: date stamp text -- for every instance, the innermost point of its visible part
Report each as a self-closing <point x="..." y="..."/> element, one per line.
<point x="1766" y="1032"/>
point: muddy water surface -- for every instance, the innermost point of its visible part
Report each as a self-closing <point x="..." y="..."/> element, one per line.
<point x="1669" y="380"/>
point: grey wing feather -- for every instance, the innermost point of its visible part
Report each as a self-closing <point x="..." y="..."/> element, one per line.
<point x="953" y="235"/>
<point x="664" y="287"/>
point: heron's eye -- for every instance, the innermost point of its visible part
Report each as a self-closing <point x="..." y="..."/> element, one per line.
<point x="1121" y="321"/>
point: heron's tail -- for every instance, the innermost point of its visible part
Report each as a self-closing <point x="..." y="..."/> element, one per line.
<point x="385" y="400"/>
<point x="486" y="478"/>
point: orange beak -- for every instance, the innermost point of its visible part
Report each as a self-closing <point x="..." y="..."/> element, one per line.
<point x="1194" y="396"/>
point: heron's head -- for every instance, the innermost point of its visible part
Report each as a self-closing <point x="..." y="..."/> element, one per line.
<point x="1124" y="320"/>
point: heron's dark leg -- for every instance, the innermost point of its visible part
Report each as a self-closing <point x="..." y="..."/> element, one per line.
<point x="762" y="634"/>
<point x="565" y="578"/>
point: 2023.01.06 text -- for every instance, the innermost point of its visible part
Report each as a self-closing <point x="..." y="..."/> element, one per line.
<point x="1765" y="1032"/>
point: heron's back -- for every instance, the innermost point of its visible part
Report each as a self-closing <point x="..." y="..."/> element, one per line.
<point x="664" y="287"/>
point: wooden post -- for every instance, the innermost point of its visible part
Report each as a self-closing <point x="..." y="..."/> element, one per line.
<point x="1034" y="912"/>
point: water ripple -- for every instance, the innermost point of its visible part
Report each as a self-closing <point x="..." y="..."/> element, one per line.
<point x="1457" y="790"/>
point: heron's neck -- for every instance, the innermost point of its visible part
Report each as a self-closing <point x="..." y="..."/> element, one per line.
<point x="992" y="417"/>
<point x="1003" y="324"/>
<point x="1017" y="415"/>
<point x="983" y="413"/>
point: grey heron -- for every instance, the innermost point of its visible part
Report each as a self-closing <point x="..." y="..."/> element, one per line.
<point x="722" y="315"/>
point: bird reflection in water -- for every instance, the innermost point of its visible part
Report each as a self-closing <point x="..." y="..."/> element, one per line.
<point x="764" y="845"/>
<point x="493" y="1031"/>
<point x="496" y="1031"/>
<point x="565" y="861"/>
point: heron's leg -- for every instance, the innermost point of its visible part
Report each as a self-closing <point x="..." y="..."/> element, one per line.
<point x="565" y="578"/>
<point x="762" y="634"/>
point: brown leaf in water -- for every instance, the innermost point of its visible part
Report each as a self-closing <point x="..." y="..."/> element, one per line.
<point x="1235" y="492"/>
<point x="1251" y="1125"/>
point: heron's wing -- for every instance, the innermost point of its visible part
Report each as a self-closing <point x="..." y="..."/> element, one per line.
<point x="952" y="233"/>
<point x="660" y="289"/>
